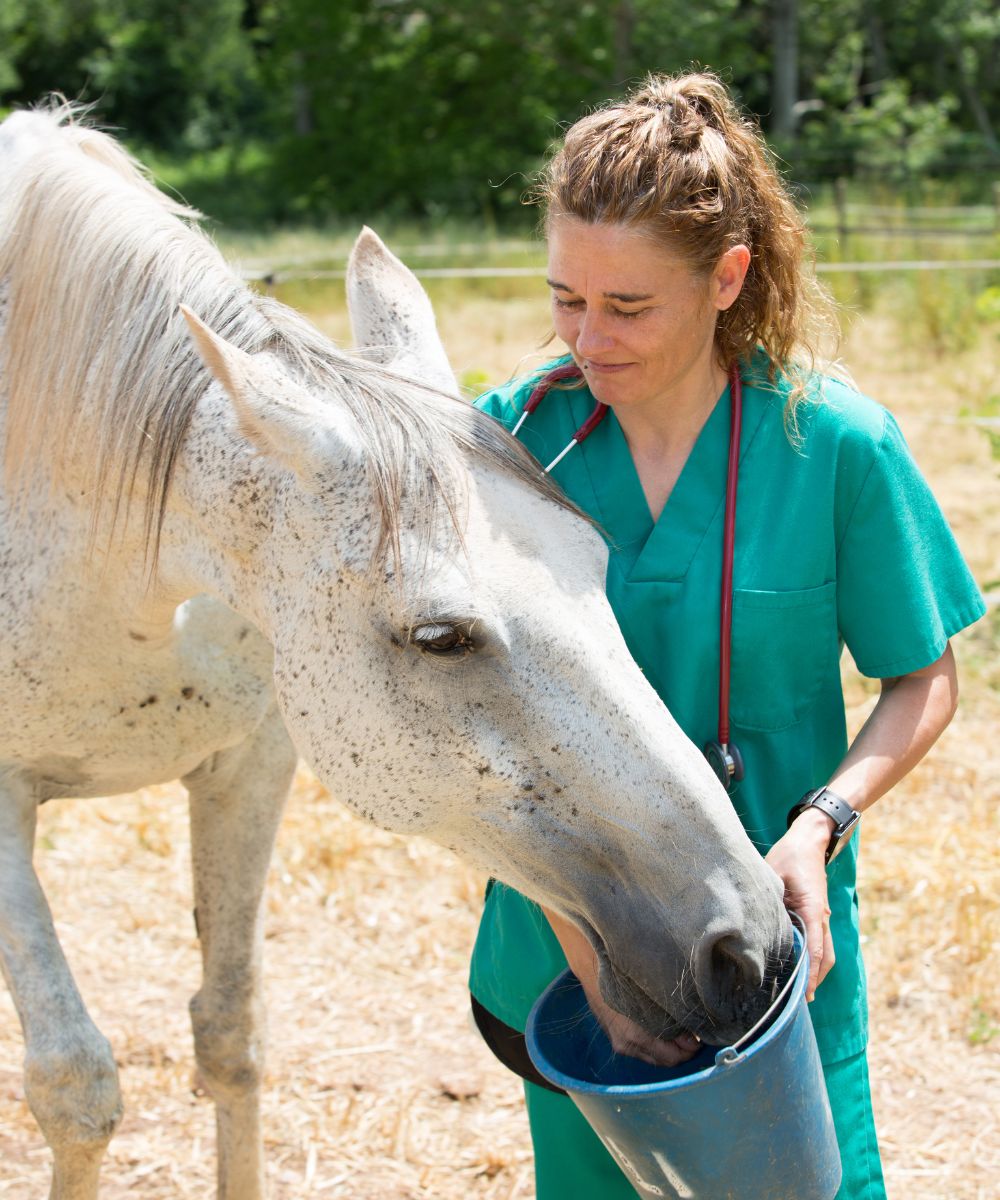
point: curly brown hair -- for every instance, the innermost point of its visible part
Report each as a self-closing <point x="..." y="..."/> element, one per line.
<point x="678" y="160"/>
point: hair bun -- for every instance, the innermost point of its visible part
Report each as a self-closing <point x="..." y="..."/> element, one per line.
<point x="686" y="112"/>
<point x="658" y="92"/>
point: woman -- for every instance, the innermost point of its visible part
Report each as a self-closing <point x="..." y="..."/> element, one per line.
<point x="675" y="256"/>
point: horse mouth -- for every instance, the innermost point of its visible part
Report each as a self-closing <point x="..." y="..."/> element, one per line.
<point x="628" y="997"/>
<point x="732" y="1016"/>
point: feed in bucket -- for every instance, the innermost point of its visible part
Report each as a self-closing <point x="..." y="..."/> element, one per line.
<point x="750" y="1121"/>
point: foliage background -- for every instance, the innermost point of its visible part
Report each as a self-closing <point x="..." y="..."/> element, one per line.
<point x="276" y="111"/>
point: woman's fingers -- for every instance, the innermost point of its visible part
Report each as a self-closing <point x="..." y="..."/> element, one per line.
<point x="799" y="859"/>
<point x="819" y="943"/>
<point x="829" y="955"/>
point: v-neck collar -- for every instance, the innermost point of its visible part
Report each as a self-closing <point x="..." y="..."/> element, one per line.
<point x="648" y="551"/>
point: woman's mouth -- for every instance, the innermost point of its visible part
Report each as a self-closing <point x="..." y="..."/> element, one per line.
<point x="596" y="368"/>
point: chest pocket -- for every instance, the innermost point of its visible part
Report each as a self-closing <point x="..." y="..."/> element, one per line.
<point x="785" y="645"/>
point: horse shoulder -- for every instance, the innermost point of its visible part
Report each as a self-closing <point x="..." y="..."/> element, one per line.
<point x="97" y="705"/>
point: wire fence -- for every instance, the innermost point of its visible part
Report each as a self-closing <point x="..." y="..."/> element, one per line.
<point x="848" y="222"/>
<point x="301" y="272"/>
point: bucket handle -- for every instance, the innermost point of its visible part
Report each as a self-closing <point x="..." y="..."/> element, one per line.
<point x="732" y="1054"/>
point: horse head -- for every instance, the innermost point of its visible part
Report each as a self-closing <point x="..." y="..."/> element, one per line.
<point x="447" y="661"/>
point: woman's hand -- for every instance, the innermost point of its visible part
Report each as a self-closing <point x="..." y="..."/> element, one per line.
<point x="625" y="1036"/>
<point x="799" y="860"/>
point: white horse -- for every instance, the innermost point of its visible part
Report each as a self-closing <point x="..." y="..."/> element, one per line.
<point x="223" y="544"/>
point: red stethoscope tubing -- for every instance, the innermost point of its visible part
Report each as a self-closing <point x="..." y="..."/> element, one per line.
<point x="541" y="390"/>
<point x="729" y="552"/>
<point x="723" y="755"/>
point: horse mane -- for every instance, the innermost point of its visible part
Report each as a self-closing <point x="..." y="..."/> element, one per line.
<point x="99" y="365"/>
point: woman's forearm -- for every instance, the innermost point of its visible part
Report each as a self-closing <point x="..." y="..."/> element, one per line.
<point x="909" y="717"/>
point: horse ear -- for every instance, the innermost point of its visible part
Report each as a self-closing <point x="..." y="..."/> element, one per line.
<point x="392" y="314"/>
<point x="229" y="364"/>
<point x="280" y="418"/>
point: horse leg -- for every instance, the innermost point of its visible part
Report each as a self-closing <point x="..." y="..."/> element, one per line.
<point x="237" y="798"/>
<point x="70" y="1080"/>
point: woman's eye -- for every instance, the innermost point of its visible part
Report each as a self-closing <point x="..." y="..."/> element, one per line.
<point x="619" y="312"/>
<point x="560" y="303"/>
<point x="442" y="640"/>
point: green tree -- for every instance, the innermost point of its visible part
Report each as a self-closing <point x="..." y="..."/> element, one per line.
<point x="41" y="47"/>
<point x="421" y="106"/>
<point x="433" y="106"/>
<point x="171" y="74"/>
<point x="175" y="75"/>
<point x="452" y="103"/>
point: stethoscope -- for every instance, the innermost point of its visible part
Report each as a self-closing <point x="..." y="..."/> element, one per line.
<point x="723" y="756"/>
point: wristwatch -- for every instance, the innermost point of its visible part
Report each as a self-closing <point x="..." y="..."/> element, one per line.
<point x="844" y="817"/>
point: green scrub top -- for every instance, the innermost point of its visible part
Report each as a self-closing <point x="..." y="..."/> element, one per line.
<point x="838" y="540"/>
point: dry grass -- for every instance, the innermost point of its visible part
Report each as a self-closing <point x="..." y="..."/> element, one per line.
<point x="376" y="1085"/>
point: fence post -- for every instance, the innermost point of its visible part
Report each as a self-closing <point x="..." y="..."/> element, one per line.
<point x="840" y="200"/>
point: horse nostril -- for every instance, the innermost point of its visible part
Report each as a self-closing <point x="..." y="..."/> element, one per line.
<point x="732" y="969"/>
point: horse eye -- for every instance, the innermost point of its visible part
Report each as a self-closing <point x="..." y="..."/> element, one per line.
<point x="442" y="640"/>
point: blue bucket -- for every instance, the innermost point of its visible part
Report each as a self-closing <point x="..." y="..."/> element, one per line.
<point x="750" y="1121"/>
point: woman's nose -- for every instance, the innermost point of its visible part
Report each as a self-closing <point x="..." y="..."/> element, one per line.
<point x="594" y="337"/>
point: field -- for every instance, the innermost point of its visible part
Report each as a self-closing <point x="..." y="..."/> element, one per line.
<point x="376" y="1086"/>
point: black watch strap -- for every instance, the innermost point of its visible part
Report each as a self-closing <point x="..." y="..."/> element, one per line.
<point x="844" y="818"/>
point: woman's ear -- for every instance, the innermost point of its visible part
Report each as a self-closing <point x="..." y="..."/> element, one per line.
<point x="728" y="276"/>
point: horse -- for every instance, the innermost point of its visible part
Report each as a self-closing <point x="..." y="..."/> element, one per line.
<point x="226" y="544"/>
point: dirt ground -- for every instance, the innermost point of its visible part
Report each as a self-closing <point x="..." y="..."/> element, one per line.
<point x="376" y="1085"/>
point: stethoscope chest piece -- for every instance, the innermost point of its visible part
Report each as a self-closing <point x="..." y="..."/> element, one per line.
<point x="727" y="763"/>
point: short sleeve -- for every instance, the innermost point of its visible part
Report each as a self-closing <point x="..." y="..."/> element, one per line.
<point x="903" y="588"/>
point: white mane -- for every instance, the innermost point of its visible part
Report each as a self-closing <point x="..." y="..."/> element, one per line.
<point x="98" y="362"/>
